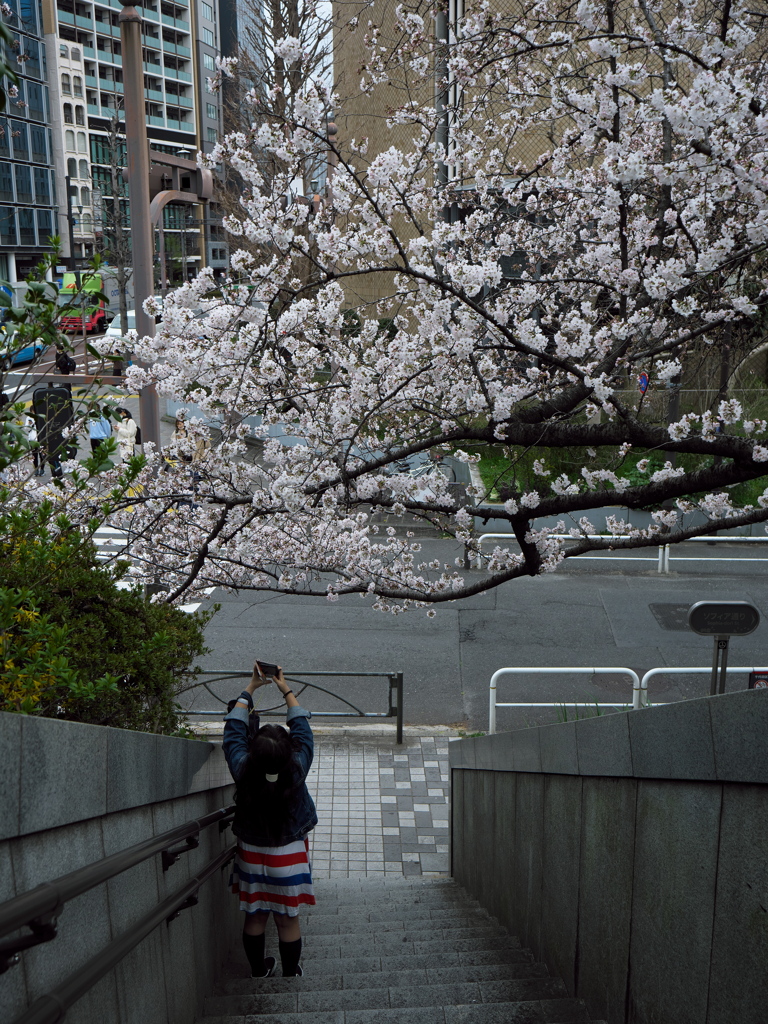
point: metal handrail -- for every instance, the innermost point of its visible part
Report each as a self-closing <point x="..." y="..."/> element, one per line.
<point x="663" y="559"/>
<point x="50" y="1008"/>
<point x="580" y="670"/>
<point x="395" y="709"/>
<point x="39" y="908"/>
<point x="667" y="670"/>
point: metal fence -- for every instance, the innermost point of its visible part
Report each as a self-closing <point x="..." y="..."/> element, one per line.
<point x="300" y="681"/>
<point x="662" y="560"/>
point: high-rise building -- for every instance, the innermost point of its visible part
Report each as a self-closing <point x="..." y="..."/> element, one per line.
<point x="84" y="53"/>
<point x="27" y="185"/>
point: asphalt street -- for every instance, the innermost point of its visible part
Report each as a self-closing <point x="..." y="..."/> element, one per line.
<point x="591" y="613"/>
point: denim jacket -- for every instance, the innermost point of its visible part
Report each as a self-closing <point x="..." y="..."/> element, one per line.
<point x="303" y="816"/>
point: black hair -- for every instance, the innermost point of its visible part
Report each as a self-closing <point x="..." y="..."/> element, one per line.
<point x="270" y="752"/>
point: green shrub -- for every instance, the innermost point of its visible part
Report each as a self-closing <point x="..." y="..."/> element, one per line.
<point x="77" y="646"/>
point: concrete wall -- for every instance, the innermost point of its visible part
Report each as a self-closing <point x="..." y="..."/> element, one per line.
<point x="630" y="853"/>
<point x="71" y="794"/>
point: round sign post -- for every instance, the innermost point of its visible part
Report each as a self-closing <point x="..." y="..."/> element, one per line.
<point x="722" y="620"/>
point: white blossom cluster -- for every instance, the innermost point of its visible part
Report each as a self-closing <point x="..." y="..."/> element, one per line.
<point x="607" y="229"/>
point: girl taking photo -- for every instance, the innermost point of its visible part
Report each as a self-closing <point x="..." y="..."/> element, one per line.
<point x="273" y="817"/>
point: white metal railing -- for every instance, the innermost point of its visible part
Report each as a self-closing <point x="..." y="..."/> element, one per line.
<point x="667" y="671"/>
<point x="662" y="560"/>
<point x="579" y="670"/>
<point x="639" y="686"/>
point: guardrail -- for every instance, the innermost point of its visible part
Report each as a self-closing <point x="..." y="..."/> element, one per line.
<point x="639" y="685"/>
<point x="394" y="710"/>
<point x="579" y="670"/>
<point x="662" y="560"/>
<point x="696" y="670"/>
<point x="40" y="908"/>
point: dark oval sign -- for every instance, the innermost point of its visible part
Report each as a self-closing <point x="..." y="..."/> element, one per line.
<point x="723" y="618"/>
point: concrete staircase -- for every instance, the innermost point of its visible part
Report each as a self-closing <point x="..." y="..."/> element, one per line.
<point x="397" y="951"/>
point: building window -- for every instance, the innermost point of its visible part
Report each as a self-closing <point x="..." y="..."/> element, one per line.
<point x="212" y="135"/>
<point x="72" y="167"/>
<point x="27" y="234"/>
<point x="84" y="170"/>
<point x="66" y="88"/>
<point x="20" y="140"/>
<point x="69" y="136"/>
<point x="82" y="143"/>
<point x="44" y="225"/>
<point x="209" y="62"/>
<point x="42" y="186"/>
<point x="80" y="115"/>
<point x="87" y="222"/>
<point x="211" y="111"/>
<point x="75" y="53"/>
<point x="6" y="183"/>
<point x="63" y="50"/>
<point x="39" y="136"/>
<point x="24" y="183"/>
<point x="35" y="101"/>
<point x="7" y="225"/>
<point x="208" y="37"/>
<point x="77" y="86"/>
<point x="68" y="119"/>
<point x="207" y="12"/>
<point x="85" y="196"/>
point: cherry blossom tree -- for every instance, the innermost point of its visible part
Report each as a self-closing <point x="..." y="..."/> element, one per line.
<point x="587" y="201"/>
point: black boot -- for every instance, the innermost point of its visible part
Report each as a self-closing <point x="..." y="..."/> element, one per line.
<point x="261" y="966"/>
<point x="289" y="958"/>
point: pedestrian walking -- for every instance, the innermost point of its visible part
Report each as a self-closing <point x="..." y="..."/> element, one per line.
<point x="99" y="430"/>
<point x="274" y="815"/>
<point x="29" y="424"/>
<point x="126" y="428"/>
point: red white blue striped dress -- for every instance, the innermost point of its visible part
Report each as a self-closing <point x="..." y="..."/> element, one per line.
<point x="276" y="878"/>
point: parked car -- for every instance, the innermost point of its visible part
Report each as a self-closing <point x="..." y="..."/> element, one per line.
<point x="9" y="357"/>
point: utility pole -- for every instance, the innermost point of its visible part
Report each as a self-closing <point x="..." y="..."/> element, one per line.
<point x="142" y="233"/>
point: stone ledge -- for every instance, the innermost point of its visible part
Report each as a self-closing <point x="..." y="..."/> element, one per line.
<point x="56" y="772"/>
<point x="717" y="739"/>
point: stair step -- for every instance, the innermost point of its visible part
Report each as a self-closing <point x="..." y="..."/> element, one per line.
<point x="302" y="1000"/>
<point x="237" y="969"/>
<point x="395" y="978"/>
<point x="435" y="947"/>
<point x="394" y="939"/>
<point x="317" y="926"/>
<point x="537" y="1011"/>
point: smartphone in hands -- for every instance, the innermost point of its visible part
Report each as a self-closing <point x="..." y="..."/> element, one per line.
<point x="268" y="670"/>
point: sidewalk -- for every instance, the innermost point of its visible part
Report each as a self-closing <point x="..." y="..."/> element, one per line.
<point x="383" y="809"/>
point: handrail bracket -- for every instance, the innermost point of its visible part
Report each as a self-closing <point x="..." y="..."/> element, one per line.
<point x="171" y="855"/>
<point x="44" y="928"/>
<point x="190" y="901"/>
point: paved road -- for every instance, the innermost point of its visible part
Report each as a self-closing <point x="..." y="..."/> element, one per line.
<point x="594" y="613"/>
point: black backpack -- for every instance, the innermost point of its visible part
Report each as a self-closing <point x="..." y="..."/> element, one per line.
<point x="138" y="435"/>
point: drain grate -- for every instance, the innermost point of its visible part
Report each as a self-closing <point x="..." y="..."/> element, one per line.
<point x="671" y="616"/>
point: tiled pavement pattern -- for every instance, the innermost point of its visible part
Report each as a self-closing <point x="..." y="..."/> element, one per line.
<point x="382" y="808"/>
<point x="397" y="951"/>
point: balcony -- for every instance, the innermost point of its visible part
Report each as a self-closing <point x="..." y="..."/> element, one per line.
<point x="91" y="80"/>
<point x="89" y="51"/>
<point x="181" y="126"/>
<point x="177" y="23"/>
<point x="94" y="110"/>
<point x="153" y="94"/>
<point x="181" y="76"/>
<point x="65" y="18"/>
<point x="84" y="22"/>
<point x="158" y="122"/>
<point x="186" y="101"/>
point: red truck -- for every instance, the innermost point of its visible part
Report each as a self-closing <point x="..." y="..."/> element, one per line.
<point x="95" y="309"/>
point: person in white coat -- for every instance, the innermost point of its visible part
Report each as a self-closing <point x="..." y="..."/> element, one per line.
<point x="125" y="429"/>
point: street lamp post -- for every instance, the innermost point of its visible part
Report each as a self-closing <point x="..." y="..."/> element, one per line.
<point x="142" y="234"/>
